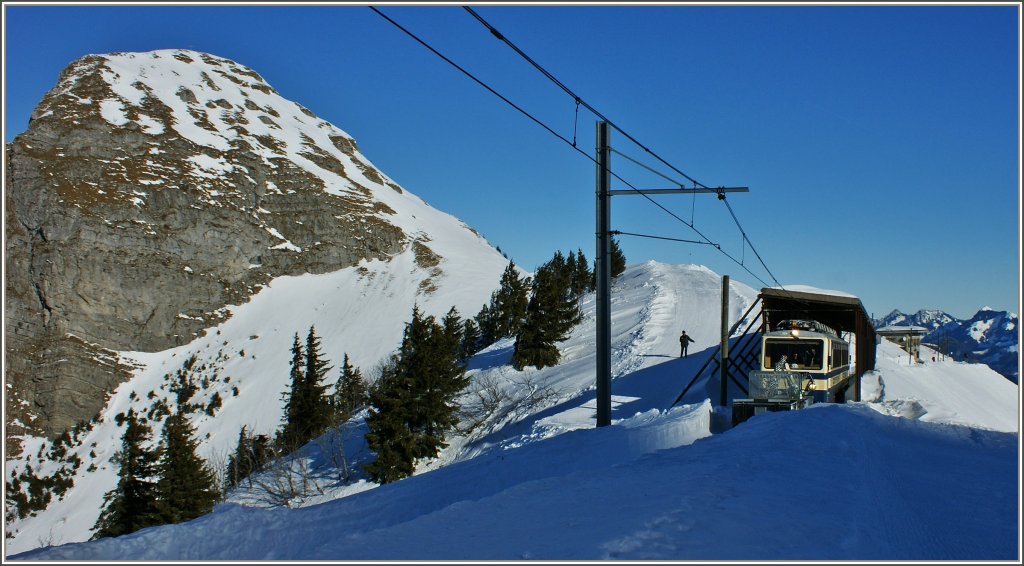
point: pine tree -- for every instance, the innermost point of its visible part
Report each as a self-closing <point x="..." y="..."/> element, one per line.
<point x="508" y="302"/>
<point x="485" y="321"/>
<point x="187" y="487"/>
<point x="319" y="413"/>
<point x="132" y="504"/>
<point x="350" y="390"/>
<point x="240" y="465"/>
<point x="552" y="312"/>
<point x="183" y="386"/>
<point x="308" y="410"/>
<point x="582" y="277"/>
<point x="451" y="327"/>
<point x="439" y="375"/>
<point x="388" y="432"/>
<point x="470" y="339"/>
<point x="413" y="403"/>
<point x="251" y="454"/>
<point x="291" y="435"/>
<point x="618" y="259"/>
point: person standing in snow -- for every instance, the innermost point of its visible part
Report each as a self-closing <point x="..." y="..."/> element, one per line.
<point x="684" y="342"/>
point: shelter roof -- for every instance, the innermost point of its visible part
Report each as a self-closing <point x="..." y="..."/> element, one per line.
<point x="841" y="312"/>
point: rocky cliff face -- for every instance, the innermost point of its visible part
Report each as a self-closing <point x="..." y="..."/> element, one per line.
<point x="149" y="191"/>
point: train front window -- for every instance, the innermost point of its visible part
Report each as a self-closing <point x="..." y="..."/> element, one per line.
<point x="799" y="354"/>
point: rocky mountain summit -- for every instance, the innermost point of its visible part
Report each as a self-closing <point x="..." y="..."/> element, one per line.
<point x="150" y="191"/>
<point x="930" y="319"/>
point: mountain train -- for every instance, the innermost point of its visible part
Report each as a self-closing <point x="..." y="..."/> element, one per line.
<point x="802" y="362"/>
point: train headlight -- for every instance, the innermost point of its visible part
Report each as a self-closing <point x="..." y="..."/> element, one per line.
<point x="795" y="333"/>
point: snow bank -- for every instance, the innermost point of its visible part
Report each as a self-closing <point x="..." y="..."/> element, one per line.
<point x="943" y="391"/>
<point x="833" y="482"/>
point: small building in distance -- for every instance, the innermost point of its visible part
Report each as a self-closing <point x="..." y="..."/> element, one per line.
<point x="906" y="337"/>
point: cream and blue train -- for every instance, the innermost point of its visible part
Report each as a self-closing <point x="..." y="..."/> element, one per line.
<point x="802" y="362"/>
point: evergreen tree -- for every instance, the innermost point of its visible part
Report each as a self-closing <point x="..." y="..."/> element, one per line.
<point x="132" y="504"/>
<point x="184" y="386"/>
<point x="250" y="456"/>
<point x="291" y="435"/>
<point x="470" y="339"/>
<point x="485" y="321"/>
<point x="618" y="259"/>
<point x="438" y="376"/>
<point x="350" y="391"/>
<point x="451" y="327"/>
<point x="240" y="466"/>
<point x="319" y="413"/>
<point x="187" y="487"/>
<point x="413" y="403"/>
<point x="308" y="410"/>
<point x="508" y="303"/>
<point x="582" y="276"/>
<point x="388" y="432"/>
<point x="552" y="312"/>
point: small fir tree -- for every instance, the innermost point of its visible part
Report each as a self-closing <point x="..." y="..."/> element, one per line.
<point x="413" y="403"/>
<point x="187" y="487"/>
<point x="470" y="339"/>
<point x="618" y="259"/>
<point x="439" y="375"/>
<point x="308" y="410"/>
<point x="295" y="404"/>
<point x="251" y="454"/>
<point x="582" y="276"/>
<point x="132" y="504"/>
<point x="552" y="312"/>
<point x="350" y="390"/>
<point x="487" y="324"/>
<point x="388" y="432"/>
<point x="508" y="302"/>
<point x="319" y="413"/>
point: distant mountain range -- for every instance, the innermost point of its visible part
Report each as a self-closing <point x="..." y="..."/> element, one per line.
<point x="989" y="337"/>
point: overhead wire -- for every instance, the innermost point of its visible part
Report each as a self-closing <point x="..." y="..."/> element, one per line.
<point x="571" y="144"/>
<point x="620" y="232"/>
<point x="501" y="37"/>
<point x="473" y="77"/>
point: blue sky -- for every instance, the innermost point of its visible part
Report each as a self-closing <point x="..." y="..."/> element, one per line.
<point x="880" y="143"/>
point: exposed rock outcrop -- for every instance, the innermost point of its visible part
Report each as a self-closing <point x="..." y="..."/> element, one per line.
<point x="150" y="191"/>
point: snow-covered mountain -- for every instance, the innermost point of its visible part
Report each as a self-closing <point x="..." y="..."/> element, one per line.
<point x="153" y="191"/>
<point x="930" y="319"/>
<point x="989" y="337"/>
<point x="929" y="442"/>
<point x="172" y="204"/>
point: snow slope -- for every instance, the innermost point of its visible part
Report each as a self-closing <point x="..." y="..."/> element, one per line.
<point x="250" y="352"/>
<point x="943" y="391"/>
<point x="831" y="482"/>
<point x="876" y="480"/>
